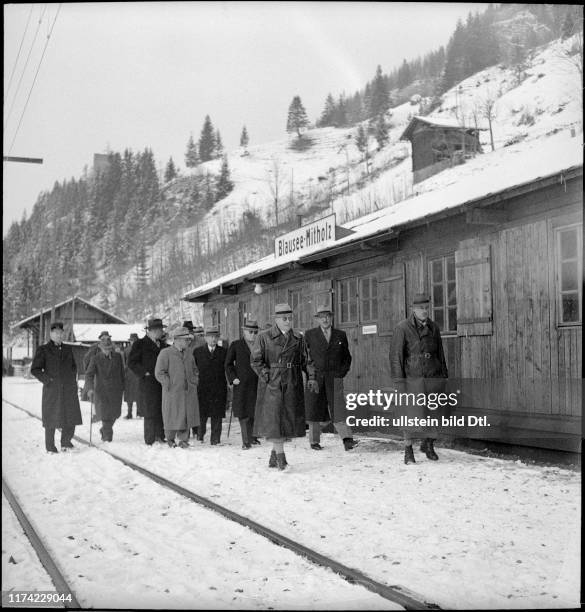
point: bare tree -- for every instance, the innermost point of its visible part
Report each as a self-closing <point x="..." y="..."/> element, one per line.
<point x="572" y="54"/>
<point x="276" y="184"/>
<point x="486" y="107"/>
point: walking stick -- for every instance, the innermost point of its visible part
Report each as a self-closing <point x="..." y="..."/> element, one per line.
<point x="230" y="423"/>
<point x="90" y="417"/>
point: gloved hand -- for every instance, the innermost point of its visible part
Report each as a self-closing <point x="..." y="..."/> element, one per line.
<point x="236" y="382"/>
<point x="313" y="386"/>
<point x="90" y="395"/>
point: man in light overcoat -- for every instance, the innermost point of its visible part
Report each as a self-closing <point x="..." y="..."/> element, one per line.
<point x="177" y="373"/>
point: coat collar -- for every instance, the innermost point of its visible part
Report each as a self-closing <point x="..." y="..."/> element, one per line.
<point x="275" y="332"/>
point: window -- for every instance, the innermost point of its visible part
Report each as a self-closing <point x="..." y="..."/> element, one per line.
<point x="569" y="273"/>
<point x="347" y="300"/>
<point x="444" y="293"/>
<point x="357" y="307"/>
<point x="295" y="297"/>
<point x="368" y="299"/>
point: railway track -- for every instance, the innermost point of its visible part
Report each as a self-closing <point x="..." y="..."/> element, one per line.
<point x="394" y="593"/>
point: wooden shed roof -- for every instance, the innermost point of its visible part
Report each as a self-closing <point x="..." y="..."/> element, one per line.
<point x="447" y="124"/>
<point x="111" y="318"/>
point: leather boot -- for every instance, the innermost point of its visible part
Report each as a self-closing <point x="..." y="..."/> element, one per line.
<point x="281" y="461"/>
<point x="272" y="462"/>
<point x="428" y="449"/>
<point x="349" y="443"/>
<point x="408" y="455"/>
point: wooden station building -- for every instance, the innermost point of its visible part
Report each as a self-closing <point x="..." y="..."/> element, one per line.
<point x="497" y="246"/>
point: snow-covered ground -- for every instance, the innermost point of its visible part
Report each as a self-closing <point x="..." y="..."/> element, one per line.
<point x="464" y="532"/>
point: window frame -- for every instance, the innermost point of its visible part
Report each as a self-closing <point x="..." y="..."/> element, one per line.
<point x="578" y="229"/>
<point x="445" y="306"/>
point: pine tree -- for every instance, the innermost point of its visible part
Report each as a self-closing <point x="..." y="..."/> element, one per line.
<point x="361" y="140"/>
<point x="191" y="155"/>
<point x="244" y="138"/>
<point x="381" y="132"/>
<point x="328" y="114"/>
<point x="170" y="171"/>
<point x="218" y="151"/>
<point x="379" y="99"/>
<point x="224" y="183"/>
<point x="297" y="116"/>
<point x="207" y="141"/>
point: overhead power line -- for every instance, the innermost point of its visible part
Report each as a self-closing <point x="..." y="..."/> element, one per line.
<point x="19" y="50"/>
<point x="24" y="69"/>
<point x="35" y="79"/>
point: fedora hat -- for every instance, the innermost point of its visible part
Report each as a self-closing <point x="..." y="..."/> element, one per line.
<point x="188" y="325"/>
<point x="181" y="332"/>
<point x="155" y="324"/>
<point x="56" y="325"/>
<point x="133" y="336"/>
<point x="281" y="309"/>
<point x="323" y="308"/>
<point x="250" y="324"/>
<point x="106" y="334"/>
<point x="212" y="330"/>
<point x="420" y="298"/>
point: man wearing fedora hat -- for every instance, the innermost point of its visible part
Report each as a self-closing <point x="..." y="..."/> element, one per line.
<point x="198" y="336"/>
<point x="212" y="389"/>
<point x="177" y="373"/>
<point x="329" y="352"/>
<point x="417" y="365"/>
<point x="244" y="380"/>
<point x="105" y="380"/>
<point x="142" y="361"/>
<point x="131" y="390"/>
<point x="279" y="357"/>
<point x="54" y="365"/>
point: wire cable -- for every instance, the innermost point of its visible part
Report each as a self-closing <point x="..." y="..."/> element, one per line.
<point x="25" y="66"/>
<point x="19" y="50"/>
<point x="35" y="79"/>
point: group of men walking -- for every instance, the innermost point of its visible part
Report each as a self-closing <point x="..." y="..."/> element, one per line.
<point x="183" y="385"/>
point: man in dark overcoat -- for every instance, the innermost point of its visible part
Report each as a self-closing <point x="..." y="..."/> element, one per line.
<point x="329" y="352"/>
<point x="131" y="387"/>
<point x="142" y="361"/>
<point x="417" y="365"/>
<point x="86" y="359"/>
<point x="55" y="367"/>
<point x="279" y="357"/>
<point x="244" y="380"/>
<point x="212" y="389"/>
<point x="105" y="383"/>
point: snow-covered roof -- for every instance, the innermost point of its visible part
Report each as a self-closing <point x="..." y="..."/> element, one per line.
<point x="437" y="122"/>
<point x="481" y="177"/>
<point x="89" y="332"/>
<point x="37" y="315"/>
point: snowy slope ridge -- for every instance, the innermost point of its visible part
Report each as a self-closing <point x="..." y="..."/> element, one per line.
<point x="547" y="99"/>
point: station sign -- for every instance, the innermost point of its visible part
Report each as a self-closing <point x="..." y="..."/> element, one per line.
<point x="307" y="238"/>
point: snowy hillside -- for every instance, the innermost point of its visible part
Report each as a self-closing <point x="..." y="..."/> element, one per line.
<point x="331" y="174"/>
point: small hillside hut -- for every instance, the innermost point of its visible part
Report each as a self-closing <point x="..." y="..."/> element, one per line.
<point x="499" y="250"/>
<point x="438" y="144"/>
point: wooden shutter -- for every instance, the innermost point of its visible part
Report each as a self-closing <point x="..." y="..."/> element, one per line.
<point x="391" y="299"/>
<point x="473" y="272"/>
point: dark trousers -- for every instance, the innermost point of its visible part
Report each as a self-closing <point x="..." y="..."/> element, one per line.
<point x="246" y="427"/>
<point x="107" y="430"/>
<point x="153" y="429"/>
<point x="66" y="435"/>
<point x="215" y="428"/>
